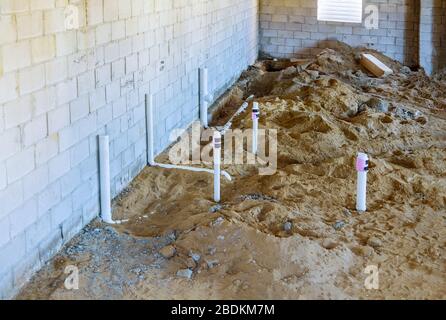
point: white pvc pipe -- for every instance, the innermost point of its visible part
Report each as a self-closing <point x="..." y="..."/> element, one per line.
<point x="255" y="129"/>
<point x="204" y="92"/>
<point x="104" y="172"/>
<point x="217" y="164"/>
<point x="362" y="166"/>
<point x="242" y="109"/>
<point x="150" y="152"/>
<point x="149" y="119"/>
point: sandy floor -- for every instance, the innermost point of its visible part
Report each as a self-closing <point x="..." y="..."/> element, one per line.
<point x="295" y="234"/>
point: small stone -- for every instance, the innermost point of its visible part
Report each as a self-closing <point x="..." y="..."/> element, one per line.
<point x="314" y="74"/>
<point x="339" y="225"/>
<point x="212" y="250"/>
<point x="212" y="263"/>
<point x="172" y="235"/>
<point x="406" y="70"/>
<point x="288" y="226"/>
<point x="221" y="238"/>
<point x="185" y="273"/>
<point x="329" y="244"/>
<point x="168" y="252"/>
<point x="216" y="208"/>
<point x="195" y="256"/>
<point x="374" y="242"/>
<point x="378" y="104"/>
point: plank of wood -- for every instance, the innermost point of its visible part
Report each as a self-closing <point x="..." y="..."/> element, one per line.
<point x="374" y="65"/>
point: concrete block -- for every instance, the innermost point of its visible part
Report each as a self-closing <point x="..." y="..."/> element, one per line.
<point x="56" y="70"/>
<point x="11" y="198"/>
<point x="20" y="164"/>
<point x="49" y="247"/>
<point x="8" y="83"/>
<point x="61" y="212"/>
<point x="70" y="181"/>
<point x="66" y="91"/>
<point x="8" y="26"/>
<point x="38" y="231"/>
<point x="35" y="182"/>
<point x="58" y="119"/>
<point x="97" y="99"/>
<point x="23" y="217"/>
<point x="30" y="25"/>
<point x="95" y="12"/>
<point x="49" y="197"/>
<point x="26" y="268"/>
<point x="35" y="130"/>
<point x="79" y="152"/>
<point x="16" y="56"/>
<point x="103" y="75"/>
<point x="66" y="43"/>
<point x="44" y="100"/>
<point x="72" y="225"/>
<point x="54" y="21"/>
<point x="6" y="285"/>
<point x="111" y="10"/>
<point x="18" y="111"/>
<point x="59" y="165"/>
<point x="79" y="108"/>
<point x="10" y="143"/>
<point x="12" y="253"/>
<point x="5" y="235"/>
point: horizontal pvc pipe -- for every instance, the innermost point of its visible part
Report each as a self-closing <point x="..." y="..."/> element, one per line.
<point x="242" y="109"/>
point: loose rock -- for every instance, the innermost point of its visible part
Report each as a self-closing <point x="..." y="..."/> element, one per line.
<point x="168" y="252"/>
<point x="329" y="244"/>
<point x="339" y="225"/>
<point x="185" y="273"/>
<point x="374" y="242"/>
<point x="195" y="256"/>
<point x="378" y="104"/>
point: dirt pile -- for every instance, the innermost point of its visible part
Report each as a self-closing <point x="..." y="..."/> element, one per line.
<point x="296" y="234"/>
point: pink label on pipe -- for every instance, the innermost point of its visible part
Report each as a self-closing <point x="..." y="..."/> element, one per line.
<point x="362" y="165"/>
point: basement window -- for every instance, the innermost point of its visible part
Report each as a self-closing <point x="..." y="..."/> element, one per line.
<point x="340" y="10"/>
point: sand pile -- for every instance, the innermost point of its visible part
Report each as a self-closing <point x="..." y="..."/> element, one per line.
<point x="296" y="234"/>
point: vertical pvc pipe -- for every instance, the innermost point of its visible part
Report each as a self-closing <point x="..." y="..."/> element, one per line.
<point x="362" y="166"/>
<point x="104" y="171"/>
<point x="217" y="164"/>
<point x="255" y="129"/>
<point x="149" y="119"/>
<point x="204" y="92"/>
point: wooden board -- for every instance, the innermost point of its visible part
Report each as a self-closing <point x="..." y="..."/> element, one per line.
<point x="374" y="65"/>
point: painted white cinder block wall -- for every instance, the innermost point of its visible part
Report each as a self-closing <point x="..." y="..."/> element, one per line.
<point x="290" y="29"/>
<point x="60" y="88"/>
